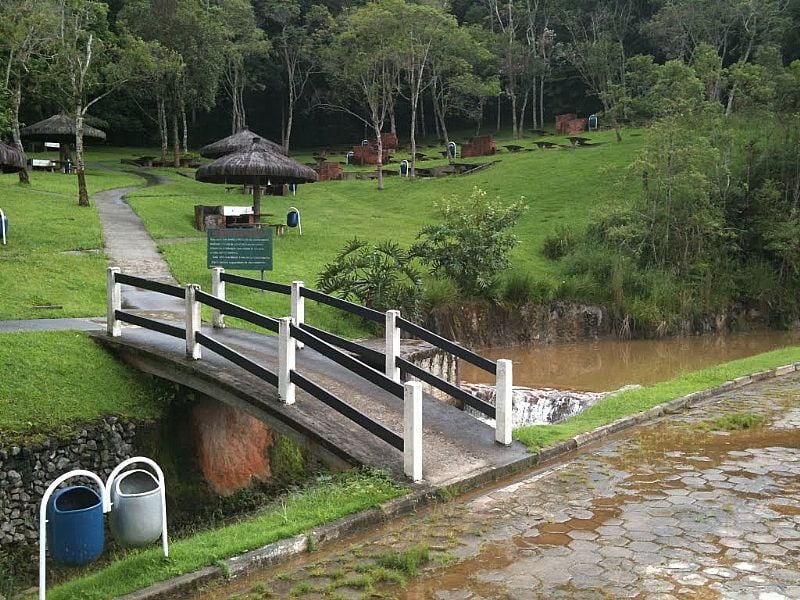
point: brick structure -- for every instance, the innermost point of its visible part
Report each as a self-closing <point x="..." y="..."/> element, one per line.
<point x="368" y="155"/>
<point x="563" y="120"/>
<point x="576" y="126"/>
<point x="479" y="146"/>
<point x="329" y="172"/>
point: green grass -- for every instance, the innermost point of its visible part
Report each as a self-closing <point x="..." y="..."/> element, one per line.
<point x="735" y="422"/>
<point x="45" y="226"/>
<point x="299" y="511"/>
<point x="407" y="562"/>
<point x="52" y="381"/>
<point x="628" y="403"/>
<point x="561" y="187"/>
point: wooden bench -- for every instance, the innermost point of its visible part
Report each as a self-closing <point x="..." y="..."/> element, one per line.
<point x="38" y="164"/>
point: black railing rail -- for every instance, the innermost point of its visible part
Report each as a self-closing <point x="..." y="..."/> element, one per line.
<point x="448" y="345"/>
<point x="236" y="358"/>
<point x="269" y="286"/>
<point x="149" y="284"/>
<point x="362" y="311"/>
<point x="235" y="310"/>
<point x="159" y="326"/>
<point x="348" y="362"/>
<point x="343" y="408"/>
<point x="448" y="388"/>
<point x="359" y="350"/>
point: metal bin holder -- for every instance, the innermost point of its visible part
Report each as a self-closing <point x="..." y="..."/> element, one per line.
<point x="137" y="503"/>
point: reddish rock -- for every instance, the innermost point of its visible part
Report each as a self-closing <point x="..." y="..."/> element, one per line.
<point x="562" y="122"/>
<point x="482" y="145"/>
<point x="232" y="447"/>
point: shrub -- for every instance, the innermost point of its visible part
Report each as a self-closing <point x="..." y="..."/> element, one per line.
<point x="379" y="276"/>
<point x="522" y="288"/>
<point x="472" y="243"/>
<point x="559" y="243"/>
<point x="439" y="292"/>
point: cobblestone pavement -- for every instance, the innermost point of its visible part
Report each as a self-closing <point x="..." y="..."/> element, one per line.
<point x="688" y="507"/>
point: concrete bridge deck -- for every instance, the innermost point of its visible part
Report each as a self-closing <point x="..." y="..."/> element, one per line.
<point x="456" y="446"/>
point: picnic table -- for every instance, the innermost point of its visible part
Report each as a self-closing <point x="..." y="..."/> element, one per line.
<point x="577" y="140"/>
<point x="420" y="156"/>
<point x="514" y="148"/>
<point x="545" y="145"/>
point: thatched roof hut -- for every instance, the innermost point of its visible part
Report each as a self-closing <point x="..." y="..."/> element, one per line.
<point x="11" y="159"/>
<point x="59" y="128"/>
<point x="255" y="166"/>
<point x="239" y="141"/>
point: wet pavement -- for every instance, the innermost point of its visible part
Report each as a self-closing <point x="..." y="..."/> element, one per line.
<point x="688" y="507"/>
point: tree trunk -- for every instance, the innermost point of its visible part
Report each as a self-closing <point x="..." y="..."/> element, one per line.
<point x="534" y="108"/>
<point x="176" y="143"/>
<point x="80" y="165"/>
<point x="162" y="128"/>
<point x="513" y="115"/>
<point x="392" y="120"/>
<point x="257" y="198"/>
<point x="380" y="156"/>
<point x="541" y="103"/>
<point x="498" y="112"/>
<point x="423" y="126"/>
<point x="289" y="120"/>
<point x="185" y="129"/>
<point x="23" y="174"/>
<point x="414" y="101"/>
<point x="439" y="113"/>
<point x="521" y="123"/>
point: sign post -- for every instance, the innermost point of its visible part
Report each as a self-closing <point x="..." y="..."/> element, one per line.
<point x="249" y="249"/>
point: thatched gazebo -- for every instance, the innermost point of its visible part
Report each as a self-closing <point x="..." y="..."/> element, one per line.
<point x="255" y="166"/>
<point x="59" y="128"/>
<point x="11" y="159"/>
<point x="240" y="141"/>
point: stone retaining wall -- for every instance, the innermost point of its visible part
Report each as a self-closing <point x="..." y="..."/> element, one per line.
<point x="25" y="472"/>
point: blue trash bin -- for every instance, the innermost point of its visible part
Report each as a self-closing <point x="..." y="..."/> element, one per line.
<point x="5" y="224"/>
<point x="293" y="218"/>
<point x="451" y="149"/>
<point x="404" y="168"/>
<point x="75" y="525"/>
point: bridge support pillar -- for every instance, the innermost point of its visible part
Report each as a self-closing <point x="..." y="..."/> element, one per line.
<point x="217" y="290"/>
<point x="392" y="345"/>
<point x="286" y="360"/>
<point x="113" y="302"/>
<point x="192" y="322"/>
<point x="412" y="430"/>
<point x="504" y="402"/>
<point x="298" y="308"/>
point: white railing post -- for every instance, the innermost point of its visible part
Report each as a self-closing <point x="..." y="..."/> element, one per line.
<point x="286" y="361"/>
<point x="392" y="345"/>
<point x="504" y="394"/>
<point x="113" y="302"/>
<point x="412" y="430"/>
<point x="192" y="322"/>
<point x="298" y="308"/>
<point x="218" y="291"/>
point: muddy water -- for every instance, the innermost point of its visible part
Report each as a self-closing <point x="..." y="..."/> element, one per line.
<point x="605" y="365"/>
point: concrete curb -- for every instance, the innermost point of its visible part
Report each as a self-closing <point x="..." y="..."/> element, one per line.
<point x="283" y="550"/>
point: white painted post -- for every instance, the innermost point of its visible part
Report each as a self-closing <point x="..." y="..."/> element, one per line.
<point x="412" y="430"/>
<point x="298" y="308"/>
<point x="504" y="402"/>
<point x="43" y="519"/>
<point x="161" y="483"/>
<point x="113" y="302"/>
<point x="192" y="322"/>
<point x="218" y="291"/>
<point x="392" y="345"/>
<point x="286" y="361"/>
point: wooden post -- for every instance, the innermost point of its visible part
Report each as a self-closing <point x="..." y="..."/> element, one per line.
<point x="192" y="317"/>
<point x="218" y="291"/>
<point x="286" y="361"/>
<point x="412" y="430"/>
<point x="392" y="345"/>
<point x="113" y="302"/>
<point x="504" y="403"/>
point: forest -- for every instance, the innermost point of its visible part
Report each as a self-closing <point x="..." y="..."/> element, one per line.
<point x="716" y="82"/>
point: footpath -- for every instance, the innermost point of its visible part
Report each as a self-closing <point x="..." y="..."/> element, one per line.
<point x="680" y="508"/>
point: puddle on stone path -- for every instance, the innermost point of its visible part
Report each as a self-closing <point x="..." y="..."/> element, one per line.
<point x="671" y="511"/>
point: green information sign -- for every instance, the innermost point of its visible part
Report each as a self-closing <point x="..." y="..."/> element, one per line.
<point x="240" y="249"/>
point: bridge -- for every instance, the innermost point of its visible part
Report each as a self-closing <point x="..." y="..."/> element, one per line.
<point x="350" y="402"/>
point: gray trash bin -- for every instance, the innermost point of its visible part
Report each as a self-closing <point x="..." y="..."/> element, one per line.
<point x="136" y="510"/>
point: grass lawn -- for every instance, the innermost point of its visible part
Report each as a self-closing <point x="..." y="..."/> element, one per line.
<point x="637" y="400"/>
<point x="300" y="511"/>
<point x="52" y="381"/>
<point x="53" y="265"/>
<point x="561" y="187"/>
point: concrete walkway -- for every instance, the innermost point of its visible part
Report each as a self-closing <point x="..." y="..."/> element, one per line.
<point x="129" y="246"/>
<point x="682" y="508"/>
